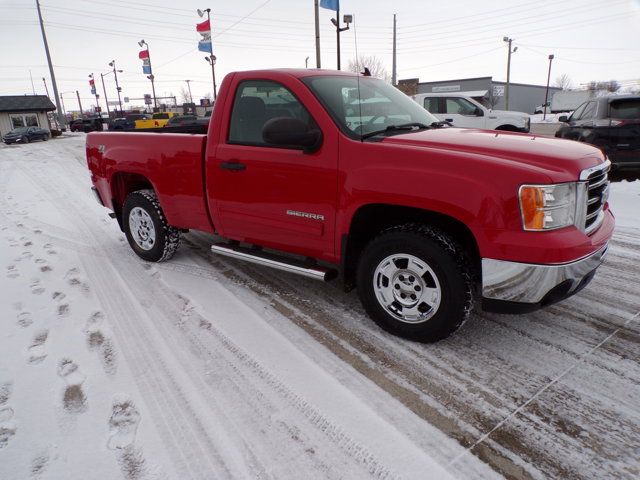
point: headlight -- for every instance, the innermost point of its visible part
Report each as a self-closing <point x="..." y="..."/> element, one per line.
<point x="548" y="207"/>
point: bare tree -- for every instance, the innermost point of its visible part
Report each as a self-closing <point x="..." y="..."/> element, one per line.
<point x="611" y="86"/>
<point x="184" y="95"/>
<point x="373" y="63"/>
<point x="564" y="82"/>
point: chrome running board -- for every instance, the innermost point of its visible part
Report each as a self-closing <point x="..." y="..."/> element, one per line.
<point x="274" y="261"/>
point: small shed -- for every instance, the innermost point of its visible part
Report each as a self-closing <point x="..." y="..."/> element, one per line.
<point x="24" y="111"/>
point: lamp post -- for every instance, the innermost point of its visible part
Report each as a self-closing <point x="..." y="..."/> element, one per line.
<point x="336" y="22"/>
<point x="112" y="63"/>
<point x="142" y="43"/>
<point x="546" y="93"/>
<point x="95" y="92"/>
<point x="106" y="102"/>
<point x="44" y="80"/>
<point x="189" y="87"/>
<point x="506" y="93"/>
<point x="211" y="59"/>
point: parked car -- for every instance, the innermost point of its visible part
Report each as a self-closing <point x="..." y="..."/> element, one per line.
<point x="128" y="122"/>
<point x="463" y="111"/>
<point x="611" y="123"/>
<point x="540" y="108"/>
<point x="157" y="120"/>
<point x="26" y="135"/>
<point x="186" y="121"/>
<point x="86" y="125"/>
<point x="423" y="219"/>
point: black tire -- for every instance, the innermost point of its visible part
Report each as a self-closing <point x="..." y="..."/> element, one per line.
<point x="25" y="139"/>
<point x="166" y="239"/>
<point x="448" y="264"/>
<point x="45" y="137"/>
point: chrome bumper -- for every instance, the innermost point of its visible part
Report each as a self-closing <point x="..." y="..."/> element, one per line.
<point x="530" y="283"/>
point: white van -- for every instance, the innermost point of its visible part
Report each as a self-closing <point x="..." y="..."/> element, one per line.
<point x="463" y="111"/>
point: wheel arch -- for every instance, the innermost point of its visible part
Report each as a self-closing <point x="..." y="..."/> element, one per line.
<point x="371" y="219"/>
<point x="507" y="127"/>
<point x="122" y="184"/>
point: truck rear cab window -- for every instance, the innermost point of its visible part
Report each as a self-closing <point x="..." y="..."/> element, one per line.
<point x="625" y="109"/>
<point x="258" y="101"/>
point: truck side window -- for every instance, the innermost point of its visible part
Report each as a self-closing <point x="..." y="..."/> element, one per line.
<point x="460" y="106"/>
<point x="258" y="101"/>
<point x="589" y="111"/>
<point x="431" y="105"/>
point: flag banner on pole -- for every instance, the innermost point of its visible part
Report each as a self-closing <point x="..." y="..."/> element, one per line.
<point x="146" y="61"/>
<point x="330" y="4"/>
<point x="204" y="29"/>
<point x="143" y="54"/>
<point x="146" y="69"/>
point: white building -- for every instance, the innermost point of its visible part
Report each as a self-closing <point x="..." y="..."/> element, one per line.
<point x="24" y="111"/>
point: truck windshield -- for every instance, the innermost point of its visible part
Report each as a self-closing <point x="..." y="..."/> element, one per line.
<point x="371" y="106"/>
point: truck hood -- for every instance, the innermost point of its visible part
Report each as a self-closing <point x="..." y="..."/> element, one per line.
<point x="561" y="160"/>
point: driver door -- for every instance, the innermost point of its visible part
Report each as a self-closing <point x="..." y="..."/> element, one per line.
<point x="268" y="195"/>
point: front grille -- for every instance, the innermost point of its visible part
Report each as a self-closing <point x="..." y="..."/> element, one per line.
<point x="597" y="195"/>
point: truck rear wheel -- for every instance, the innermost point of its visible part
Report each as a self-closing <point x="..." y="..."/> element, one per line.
<point x="147" y="230"/>
<point x="415" y="281"/>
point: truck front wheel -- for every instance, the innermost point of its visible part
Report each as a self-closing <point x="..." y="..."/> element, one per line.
<point x="147" y="230"/>
<point x="415" y="282"/>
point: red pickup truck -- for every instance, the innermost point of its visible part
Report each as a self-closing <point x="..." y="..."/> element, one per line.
<point x="325" y="173"/>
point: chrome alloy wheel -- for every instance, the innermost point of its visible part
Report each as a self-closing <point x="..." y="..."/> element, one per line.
<point x="407" y="288"/>
<point x="142" y="229"/>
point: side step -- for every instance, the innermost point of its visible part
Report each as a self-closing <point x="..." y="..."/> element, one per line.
<point x="274" y="261"/>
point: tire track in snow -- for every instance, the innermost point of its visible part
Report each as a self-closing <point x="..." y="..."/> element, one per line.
<point x="321" y="422"/>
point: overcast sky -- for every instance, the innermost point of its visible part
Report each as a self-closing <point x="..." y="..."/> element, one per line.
<point x="591" y="40"/>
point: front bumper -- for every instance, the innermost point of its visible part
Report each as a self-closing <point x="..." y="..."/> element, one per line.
<point x="517" y="287"/>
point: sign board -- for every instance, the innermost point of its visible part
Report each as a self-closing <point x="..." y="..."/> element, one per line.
<point x="446" y="88"/>
<point x="147" y="99"/>
<point x="113" y="103"/>
<point x="98" y="109"/>
<point x="498" y="90"/>
<point x="126" y="99"/>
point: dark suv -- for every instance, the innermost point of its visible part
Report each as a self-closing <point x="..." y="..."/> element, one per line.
<point x="612" y="124"/>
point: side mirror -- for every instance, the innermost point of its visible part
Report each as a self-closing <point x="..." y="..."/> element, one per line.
<point x="563" y="119"/>
<point x="292" y="133"/>
<point x="479" y="112"/>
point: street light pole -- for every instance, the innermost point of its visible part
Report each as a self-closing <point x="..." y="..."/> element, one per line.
<point x="189" y="87"/>
<point x="546" y="93"/>
<point x="150" y="76"/>
<point x="317" y="15"/>
<point x="112" y="63"/>
<point x="506" y="93"/>
<point x="211" y="60"/>
<point x="339" y="30"/>
<point x="106" y="102"/>
<point x="95" y="92"/>
<point x="79" y="104"/>
<point x="44" y="80"/>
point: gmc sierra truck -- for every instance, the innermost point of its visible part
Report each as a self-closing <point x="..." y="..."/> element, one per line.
<point x="328" y="174"/>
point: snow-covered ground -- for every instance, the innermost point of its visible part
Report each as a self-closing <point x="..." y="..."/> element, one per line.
<point x="206" y="368"/>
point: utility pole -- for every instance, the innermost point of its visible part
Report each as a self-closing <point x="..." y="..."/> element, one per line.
<point x="61" y="119"/>
<point x="79" y="103"/>
<point x="506" y="93"/>
<point x="211" y="60"/>
<point x="112" y="63"/>
<point x="33" y="88"/>
<point x="317" y="16"/>
<point x="44" y="80"/>
<point x="546" y="93"/>
<point x="189" y="87"/>
<point x="339" y="30"/>
<point x="106" y="102"/>
<point x="63" y="110"/>
<point x="394" y="73"/>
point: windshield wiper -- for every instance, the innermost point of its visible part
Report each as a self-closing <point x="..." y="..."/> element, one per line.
<point x="395" y="128"/>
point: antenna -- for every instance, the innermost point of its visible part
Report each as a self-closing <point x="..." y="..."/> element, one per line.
<point x="355" y="39"/>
